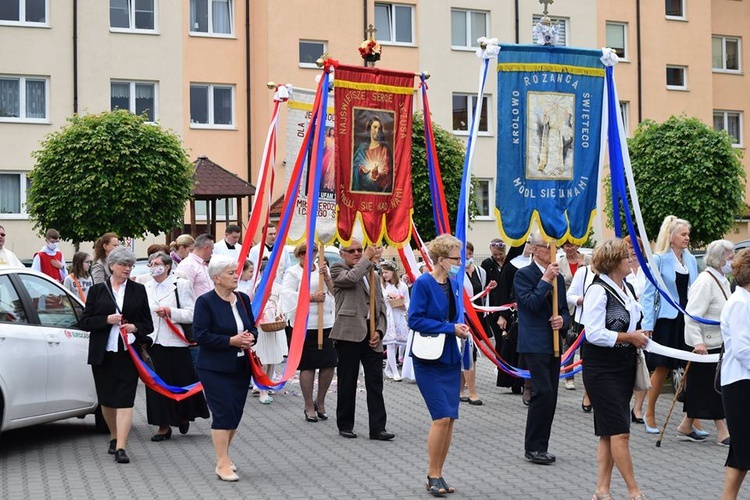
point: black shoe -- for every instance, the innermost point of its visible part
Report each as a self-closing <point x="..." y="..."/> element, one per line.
<point x="349" y="434"/>
<point x="637" y="420"/>
<point x="121" y="457"/>
<point x="540" y="457"/>
<point x="112" y="447"/>
<point x="184" y="426"/>
<point x="321" y="416"/>
<point x="382" y="436"/>
<point x="156" y="438"/>
<point x="310" y="418"/>
<point x="435" y="486"/>
<point x="586" y="407"/>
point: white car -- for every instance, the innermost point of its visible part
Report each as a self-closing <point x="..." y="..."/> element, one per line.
<point x="43" y="371"/>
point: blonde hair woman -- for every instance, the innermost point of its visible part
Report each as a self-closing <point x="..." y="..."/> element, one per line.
<point x="181" y="247"/>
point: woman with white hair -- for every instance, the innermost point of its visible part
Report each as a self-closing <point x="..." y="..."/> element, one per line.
<point x="224" y="328"/>
<point x="706" y="299"/>
<point x="678" y="270"/>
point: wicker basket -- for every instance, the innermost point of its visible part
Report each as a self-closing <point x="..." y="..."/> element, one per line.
<point x="396" y="302"/>
<point x="274" y="326"/>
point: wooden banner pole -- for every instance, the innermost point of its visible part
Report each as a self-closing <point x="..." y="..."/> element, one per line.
<point x="555" y="306"/>
<point x="321" y="263"/>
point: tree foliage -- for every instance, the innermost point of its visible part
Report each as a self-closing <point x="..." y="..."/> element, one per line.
<point x="450" y="153"/>
<point x="109" y="172"/>
<point x="685" y="168"/>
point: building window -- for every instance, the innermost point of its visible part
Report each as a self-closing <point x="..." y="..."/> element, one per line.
<point x="132" y="15"/>
<point x="394" y="23"/>
<point x="677" y="77"/>
<point x="725" y="53"/>
<point x="731" y="121"/>
<point x="137" y="97"/>
<point x="212" y="105"/>
<point x="674" y="8"/>
<point x="483" y="202"/>
<point x="624" y="111"/>
<point x="562" y="28"/>
<point x="23" y="98"/>
<point x="467" y="26"/>
<point x="212" y="17"/>
<point x="617" y="39"/>
<point x="309" y="52"/>
<point x="13" y="188"/>
<point x="202" y="208"/>
<point x="26" y="12"/>
<point x="463" y="110"/>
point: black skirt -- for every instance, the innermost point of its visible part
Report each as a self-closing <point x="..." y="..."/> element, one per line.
<point x="314" y="358"/>
<point x="669" y="333"/>
<point x="737" y="408"/>
<point x="175" y="366"/>
<point x="507" y="351"/>
<point x="701" y="399"/>
<point x="116" y="380"/>
<point x="609" y="376"/>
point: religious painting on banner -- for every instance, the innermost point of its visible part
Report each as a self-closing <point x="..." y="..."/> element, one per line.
<point x="299" y="112"/>
<point x="549" y="147"/>
<point x="373" y="152"/>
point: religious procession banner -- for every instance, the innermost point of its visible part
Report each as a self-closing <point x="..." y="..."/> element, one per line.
<point x="549" y="140"/>
<point x="299" y="112"/>
<point x="373" y="152"/>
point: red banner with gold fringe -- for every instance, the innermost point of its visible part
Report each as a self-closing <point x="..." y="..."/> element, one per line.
<point x="373" y="153"/>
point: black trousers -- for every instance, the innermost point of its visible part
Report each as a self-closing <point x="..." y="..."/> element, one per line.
<point x="351" y="354"/>
<point x="545" y="370"/>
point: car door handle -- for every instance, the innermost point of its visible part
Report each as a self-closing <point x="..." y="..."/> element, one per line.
<point x="53" y="340"/>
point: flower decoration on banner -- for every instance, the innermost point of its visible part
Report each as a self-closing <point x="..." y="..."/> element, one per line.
<point x="283" y="92"/>
<point x="370" y="50"/>
<point x="609" y="57"/>
<point x="545" y="33"/>
<point x="488" y="47"/>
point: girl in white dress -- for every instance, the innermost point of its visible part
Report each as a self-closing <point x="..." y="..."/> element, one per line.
<point x="271" y="347"/>
<point x="396" y="295"/>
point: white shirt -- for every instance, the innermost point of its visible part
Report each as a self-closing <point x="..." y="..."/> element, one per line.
<point x="706" y="300"/>
<point x="595" y="312"/>
<point x="163" y="294"/>
<point x="289" y="297"/>
<point x="221" y="248"/>
<point x="114" y="332"/>
<point x="9" y="259"/>
<point x="638" y="280"/>
<point x="583" y="277"/>
<point x="735" y="329"/>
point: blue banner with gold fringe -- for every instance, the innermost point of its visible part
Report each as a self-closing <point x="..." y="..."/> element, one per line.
<point x="549" y="114"/>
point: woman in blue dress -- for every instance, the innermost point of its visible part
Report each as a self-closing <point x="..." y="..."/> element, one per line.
<point x="433" y="310"/>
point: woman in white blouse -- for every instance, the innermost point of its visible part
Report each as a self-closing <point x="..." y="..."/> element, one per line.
<point x="582" y="278"/>
<point x="171" y="302"/>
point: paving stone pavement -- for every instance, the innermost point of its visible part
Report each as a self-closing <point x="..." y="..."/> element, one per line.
<point x="279" y="456"/>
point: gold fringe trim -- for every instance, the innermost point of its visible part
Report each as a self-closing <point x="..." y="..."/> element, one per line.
<point x="552" y="68"/>
<point x="374" y="87"/>
<point x="304" y="106"/>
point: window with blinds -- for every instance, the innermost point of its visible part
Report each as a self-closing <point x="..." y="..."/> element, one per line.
<point x="617" y="38"/>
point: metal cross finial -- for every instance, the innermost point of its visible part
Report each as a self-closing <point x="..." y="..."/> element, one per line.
<point x="546" y="4"/>
<point x="371" y="30"/>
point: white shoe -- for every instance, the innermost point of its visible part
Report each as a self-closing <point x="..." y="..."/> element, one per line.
<point x="397" y="378"/>
<point x="570" y="385"/>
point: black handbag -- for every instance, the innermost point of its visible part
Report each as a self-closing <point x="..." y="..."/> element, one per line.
<point x="187" y="328"/>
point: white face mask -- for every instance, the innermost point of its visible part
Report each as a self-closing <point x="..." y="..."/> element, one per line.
<point x="727" y="268"/>
<point x="157" y="270"/>
<point x="52" y="247"/>
<point x="469" y="261"/>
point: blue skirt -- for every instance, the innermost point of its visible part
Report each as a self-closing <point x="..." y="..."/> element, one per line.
<point x="226" y="394"/>
<point x="440" y="385"/>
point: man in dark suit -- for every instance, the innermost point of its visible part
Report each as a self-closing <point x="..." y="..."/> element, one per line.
<point x="533" y="285"/>
<point x="354" y="343"/>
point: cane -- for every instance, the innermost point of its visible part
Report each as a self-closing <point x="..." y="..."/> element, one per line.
<point x="674" y="400"/>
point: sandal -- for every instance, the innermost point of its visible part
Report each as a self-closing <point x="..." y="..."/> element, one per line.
<point x="435" y="486"/>
<point x="448" y="487"/>
<point x="601" y="496"/>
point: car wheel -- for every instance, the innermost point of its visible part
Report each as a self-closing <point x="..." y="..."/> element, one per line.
<point x="99" y="423"/>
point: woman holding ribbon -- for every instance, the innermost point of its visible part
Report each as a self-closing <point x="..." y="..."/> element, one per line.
<point x="171" y="302"/>
<point x="612" y="315"/>
<point x="224" y="328"/>
<point x="678" y="270"/>
<point x="117" y="317"/>
<point x="434" y="309"/>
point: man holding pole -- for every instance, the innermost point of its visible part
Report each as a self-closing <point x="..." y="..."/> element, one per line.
<point x="358" y="333"/>
<point x="535" y="286"/>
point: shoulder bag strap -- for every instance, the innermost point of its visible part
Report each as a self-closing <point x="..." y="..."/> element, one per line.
<point x="717" y="282"/>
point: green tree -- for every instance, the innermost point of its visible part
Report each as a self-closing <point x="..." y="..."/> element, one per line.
<point x="685" y="168"/>
<point x="109" y="172"/>
<point x="450" y="155"/>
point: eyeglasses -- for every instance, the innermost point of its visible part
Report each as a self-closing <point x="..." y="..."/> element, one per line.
<point x="497" y="244"/>
<point x="457" y="259"/>
<point x="353" y="250"/>
<point x="543" y="245"/>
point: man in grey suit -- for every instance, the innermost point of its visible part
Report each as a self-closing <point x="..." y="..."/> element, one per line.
<point x="354" y="344"/>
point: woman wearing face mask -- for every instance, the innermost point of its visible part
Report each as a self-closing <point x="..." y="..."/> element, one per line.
<point x="171" y="302"/>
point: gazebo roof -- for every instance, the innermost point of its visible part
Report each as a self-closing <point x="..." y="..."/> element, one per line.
<point x="214" y="181"/>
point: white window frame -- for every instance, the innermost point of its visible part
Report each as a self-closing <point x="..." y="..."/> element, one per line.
<point x="490" y="199"/>
<point x="725" y="113"/>
<point x="391" y="6"/>
<point x="210" y="124"/>
<point x="22" y="16"/>
<point x="470" y="113"/>
<point x="202" y="206"/>
<point x="724" y="39"/>
<point x="683" y="17"/>
<point x="470" y="43"/>
<point x="624" y="26"/>
<point x="625" y="112"/>
<point x="131" y="105"/>
<point x="312" y="64"/>
<point x="22" y="97"/>
<point x="210" y="33"/>
<point x="685" y="72"/>
<point x="132" y="28"/>
<point x="553" y="21"/>
<point x="23" y="184"/>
